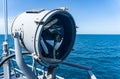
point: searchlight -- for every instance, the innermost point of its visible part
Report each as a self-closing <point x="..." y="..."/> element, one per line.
<point x="50" y="34"/>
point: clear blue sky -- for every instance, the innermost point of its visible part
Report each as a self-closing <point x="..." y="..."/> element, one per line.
<point x="92" y="16"/>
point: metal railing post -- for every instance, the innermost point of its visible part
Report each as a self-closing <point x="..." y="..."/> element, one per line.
<point x="6" y="66"/>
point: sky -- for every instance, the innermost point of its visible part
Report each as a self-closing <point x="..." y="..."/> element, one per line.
<point x="91" y="16"/>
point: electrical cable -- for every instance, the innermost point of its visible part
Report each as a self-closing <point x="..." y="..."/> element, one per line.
<point x="10" y="56"/>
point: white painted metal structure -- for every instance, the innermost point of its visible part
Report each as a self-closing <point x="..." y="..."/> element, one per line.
<point x="48" y="35"/>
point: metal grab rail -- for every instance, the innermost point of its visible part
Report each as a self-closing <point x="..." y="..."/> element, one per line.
<point x="92" y="76"/>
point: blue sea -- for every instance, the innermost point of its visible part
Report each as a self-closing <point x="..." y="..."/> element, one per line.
<point x="101" y="52"/>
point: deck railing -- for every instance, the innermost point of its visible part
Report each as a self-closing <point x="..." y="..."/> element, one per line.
<point x="18" y="72"/>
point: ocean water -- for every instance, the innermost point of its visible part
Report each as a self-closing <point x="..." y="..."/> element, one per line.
<point x="101" y="52"/>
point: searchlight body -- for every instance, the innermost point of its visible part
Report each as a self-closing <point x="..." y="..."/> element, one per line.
<point x="48" y="33"/>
